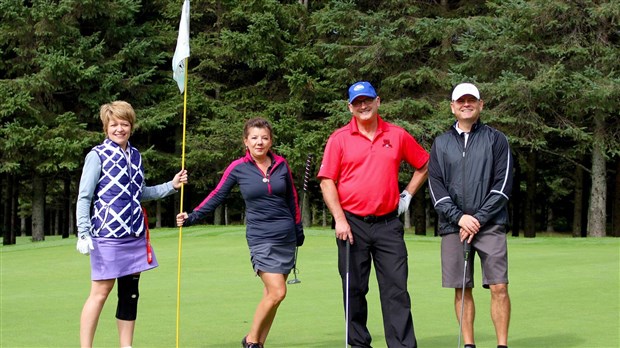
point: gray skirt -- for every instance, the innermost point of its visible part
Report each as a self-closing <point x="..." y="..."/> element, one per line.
<point x="273" y="258"/>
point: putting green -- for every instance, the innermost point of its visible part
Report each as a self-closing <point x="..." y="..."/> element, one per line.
<point x="565" y="293"/>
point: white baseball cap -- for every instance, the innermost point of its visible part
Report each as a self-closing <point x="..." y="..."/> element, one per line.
<point x="464" y="89"/>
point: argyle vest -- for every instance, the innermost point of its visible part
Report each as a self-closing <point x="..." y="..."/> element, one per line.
<point x="116" y="210"/>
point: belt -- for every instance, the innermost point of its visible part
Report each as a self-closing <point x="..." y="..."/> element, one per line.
<point x="371" y="219"/>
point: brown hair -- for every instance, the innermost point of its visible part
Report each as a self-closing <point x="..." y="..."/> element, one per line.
<point x="257" y="122"/>
<point x="117" y="109"/>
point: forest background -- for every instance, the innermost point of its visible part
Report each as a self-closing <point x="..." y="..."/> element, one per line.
<point x="548" y="71"/>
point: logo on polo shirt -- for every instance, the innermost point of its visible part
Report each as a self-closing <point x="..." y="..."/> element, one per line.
<point x="386" y="143"/>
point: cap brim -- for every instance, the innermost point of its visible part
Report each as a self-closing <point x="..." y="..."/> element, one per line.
<point x="361" y="95"/>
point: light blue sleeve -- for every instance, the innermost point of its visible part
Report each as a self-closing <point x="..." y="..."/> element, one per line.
<point x="88" y="183"/>
<point x="150" y="193"/>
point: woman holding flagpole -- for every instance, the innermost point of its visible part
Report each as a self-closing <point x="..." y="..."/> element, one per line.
<point x="113" y="232"/>
<point x="273" y="220"/>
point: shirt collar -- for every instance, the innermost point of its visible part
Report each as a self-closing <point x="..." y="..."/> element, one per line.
<point x="474" y="127"/>
<point x="382" y="126"/>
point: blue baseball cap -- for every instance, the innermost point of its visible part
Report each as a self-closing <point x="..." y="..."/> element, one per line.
<point x="361" y="88"/>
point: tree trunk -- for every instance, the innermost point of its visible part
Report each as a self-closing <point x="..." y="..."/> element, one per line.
<point x="516" y="198"/>
<point x="8" y="238"/>
<point x="615" y="212"/>
<point x="14" y="207"/>
<point x="38" y="208"/>
<point x="324" y="216"/>
<point x="530" y="202"/>
<point x="22" y="229"/>
<point x="428" y="216"/>
<point x="226" y="217"/>
<point x="2" y="207"/>
<point x="76" y="182"/>
<point x="218" y="215"/>
<point x="419" y="211"/>
<point x="158" y="214"/>
<point x="71" y="222"/>
<point x="578" y="202"/>
<point x="56" y="216"/>
<point x="598" y="193"/>
<point x="65" y="219"/>
<point x="306" y="212"/>
<point x="407" y="218"/>
<point x="550" y="220"/>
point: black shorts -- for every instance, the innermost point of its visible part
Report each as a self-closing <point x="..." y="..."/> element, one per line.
<point x="490" y="245"/>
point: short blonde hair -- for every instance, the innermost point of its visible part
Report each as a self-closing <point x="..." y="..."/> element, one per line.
<point x="117" y="109"/>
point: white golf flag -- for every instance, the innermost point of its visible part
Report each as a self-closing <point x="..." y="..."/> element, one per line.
<point x="182" y="50"/>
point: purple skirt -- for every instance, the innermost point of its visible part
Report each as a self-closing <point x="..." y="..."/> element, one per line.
<point x="116" y="257"/>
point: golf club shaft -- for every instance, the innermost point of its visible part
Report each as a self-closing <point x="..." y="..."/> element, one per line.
<point x="346" y="291"/>
<point x="466" y="250"/>
<point x="306" y="178"/>
<point x="295" y="280"/>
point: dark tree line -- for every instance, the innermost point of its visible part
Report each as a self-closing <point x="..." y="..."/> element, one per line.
<point x="548" y="71"/>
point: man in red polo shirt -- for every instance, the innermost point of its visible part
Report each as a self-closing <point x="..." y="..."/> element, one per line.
<point x="359" y="181"/>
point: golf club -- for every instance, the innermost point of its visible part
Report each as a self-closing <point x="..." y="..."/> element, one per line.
<point x="466" y="250"/>
<point x="346" y="294"/>
<point x="296" y="280"/>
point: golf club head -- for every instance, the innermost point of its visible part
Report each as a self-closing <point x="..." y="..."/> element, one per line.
<point x="293" y="281"/>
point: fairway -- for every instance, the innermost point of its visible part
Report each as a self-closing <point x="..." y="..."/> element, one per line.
<point x="565" y="293"/>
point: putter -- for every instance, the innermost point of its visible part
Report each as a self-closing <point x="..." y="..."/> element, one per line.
<point x="346" y="292"/>
<point x="296" y="280"/>
<point x="466" y="250"/>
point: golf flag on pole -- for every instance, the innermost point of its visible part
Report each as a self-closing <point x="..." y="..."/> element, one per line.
<point x="182" y="50"/>
<point x="179" y="73"/>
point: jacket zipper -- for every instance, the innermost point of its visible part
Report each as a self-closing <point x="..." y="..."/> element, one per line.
<point x="464" y="186"/>
<point x="266" y="176"/>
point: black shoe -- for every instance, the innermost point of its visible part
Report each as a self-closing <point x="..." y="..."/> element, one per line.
<point x="246" y="344"/>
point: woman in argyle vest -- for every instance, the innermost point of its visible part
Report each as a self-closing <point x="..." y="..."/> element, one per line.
<point x="112" y="183"/>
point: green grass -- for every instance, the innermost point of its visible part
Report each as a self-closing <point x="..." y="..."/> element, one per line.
<point x="565" y="293"/>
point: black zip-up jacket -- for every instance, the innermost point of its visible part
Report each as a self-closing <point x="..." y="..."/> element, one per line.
<point x="474" y="180"/>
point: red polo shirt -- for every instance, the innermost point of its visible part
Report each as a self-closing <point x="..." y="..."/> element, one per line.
<point x="365" y="171"/>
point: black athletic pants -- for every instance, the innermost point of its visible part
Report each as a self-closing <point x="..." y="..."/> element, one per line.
<point x="381" y="243"/>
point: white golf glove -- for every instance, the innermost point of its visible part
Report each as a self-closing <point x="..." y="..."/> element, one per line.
<point x="403" y="202"/>
<point x="84" y="243"/>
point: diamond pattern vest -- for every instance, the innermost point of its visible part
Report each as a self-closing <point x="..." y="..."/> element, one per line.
<point x="116" y="210"/>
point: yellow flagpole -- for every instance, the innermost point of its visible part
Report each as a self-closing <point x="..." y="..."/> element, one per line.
<point x="181" y="207"/>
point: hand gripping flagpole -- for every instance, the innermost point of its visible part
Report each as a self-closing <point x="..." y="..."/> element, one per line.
<point x="179" y="73"/>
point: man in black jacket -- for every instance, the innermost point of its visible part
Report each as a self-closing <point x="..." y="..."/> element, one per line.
<point x="470" y="181"/>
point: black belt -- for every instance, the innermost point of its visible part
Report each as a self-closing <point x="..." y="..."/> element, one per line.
<point x="371" y="219"/>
